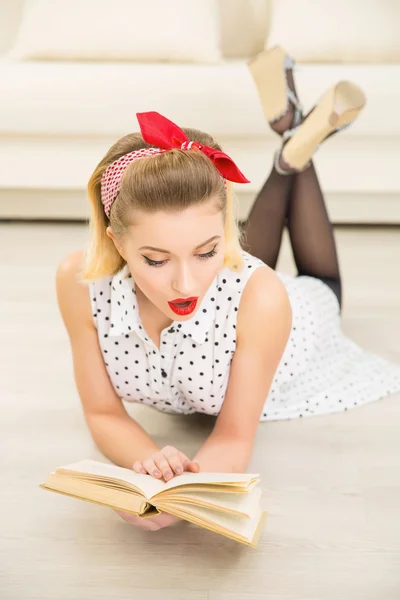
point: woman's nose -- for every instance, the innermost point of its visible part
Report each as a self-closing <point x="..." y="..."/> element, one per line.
<point x="184" y="283"/>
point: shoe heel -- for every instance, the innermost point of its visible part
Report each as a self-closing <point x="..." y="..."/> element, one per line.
<point x="338" y="107"/>
<point x="268" y="72"/>
<point x="348" y="102"/>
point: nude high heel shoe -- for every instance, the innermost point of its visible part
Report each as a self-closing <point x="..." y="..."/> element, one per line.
<point x="339" y="106"/>
<point x="271" y="71"/>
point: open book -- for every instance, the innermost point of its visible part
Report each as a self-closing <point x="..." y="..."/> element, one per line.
<point x="228" y="504"/>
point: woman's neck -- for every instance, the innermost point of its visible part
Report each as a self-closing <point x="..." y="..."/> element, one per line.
<point x="150" y="313"/>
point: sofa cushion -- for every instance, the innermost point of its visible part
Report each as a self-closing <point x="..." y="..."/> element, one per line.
<point x="155" y="30"/>
<point x="337" y="30"/>
<point x="244" y="27"/>
<point x="96" y="99"/>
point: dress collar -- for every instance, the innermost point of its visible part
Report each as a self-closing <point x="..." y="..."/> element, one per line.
<point x="125" y="317"/>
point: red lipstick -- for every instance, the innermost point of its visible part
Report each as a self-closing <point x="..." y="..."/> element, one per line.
<point x="183" y="306"/>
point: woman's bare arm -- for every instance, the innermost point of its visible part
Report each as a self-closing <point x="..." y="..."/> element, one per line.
<point x="264" y="323"/>
<point x="117" y="435"/>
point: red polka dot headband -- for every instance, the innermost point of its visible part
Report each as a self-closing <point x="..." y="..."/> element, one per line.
<point x="165" y="135"/>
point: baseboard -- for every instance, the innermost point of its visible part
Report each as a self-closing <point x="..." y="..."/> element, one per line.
<point x="351" y="208"/>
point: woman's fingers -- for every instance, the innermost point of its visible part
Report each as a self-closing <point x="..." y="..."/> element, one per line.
<point x="147" y="524"/>
<point x="189" y="465"/>
<point x="163" y="464"/>
<point x="139" y="468"/>
<point x="151" y="468"/>
<point x="175" y="459"/>
<point x="193" y="467"/>
<point x="166" y="463"/>
<point x="178" y="461"/>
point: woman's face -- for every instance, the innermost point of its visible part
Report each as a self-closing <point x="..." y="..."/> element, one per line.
<point x="190" y="252"/>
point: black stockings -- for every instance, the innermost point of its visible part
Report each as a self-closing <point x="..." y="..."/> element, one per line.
<point x="297" y="201"/>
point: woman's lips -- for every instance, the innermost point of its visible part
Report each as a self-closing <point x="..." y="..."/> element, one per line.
<point x="185" y="308"/>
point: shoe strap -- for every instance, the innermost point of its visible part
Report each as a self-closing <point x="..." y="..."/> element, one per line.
<point x="290" y="97"/>
<point x="288" y="63"/>
<point x="292" y="170"/>
<point x="289" y="133"/>
<point x="277" y="166"/>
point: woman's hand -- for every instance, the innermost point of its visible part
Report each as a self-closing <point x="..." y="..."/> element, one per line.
<point x="151" y="523"/>
<point x="166" y="463"/>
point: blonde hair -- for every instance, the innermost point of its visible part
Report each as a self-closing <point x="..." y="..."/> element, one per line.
<point x="168" y="181"/>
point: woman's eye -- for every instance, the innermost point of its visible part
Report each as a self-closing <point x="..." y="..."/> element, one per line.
<point x="153" y="263"/>
<point x="160" y="263"/>
<point x="208" y="254"/>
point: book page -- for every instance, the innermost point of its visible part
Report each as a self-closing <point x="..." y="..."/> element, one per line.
<point x="240" y="526"/>
<point x="122" y="500"/>
<point x="240" y="480"/>
<point x="223" y="488"/>
<point x="246" y="504"/>
<point x="151" y="486"/>
<point x="147" y="484"/>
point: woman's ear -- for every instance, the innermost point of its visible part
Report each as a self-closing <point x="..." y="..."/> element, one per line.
<point x="118" y="246"/>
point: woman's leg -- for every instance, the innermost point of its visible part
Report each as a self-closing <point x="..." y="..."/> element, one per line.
<point x="267" y="218"/>
<point x="295" y="200"/>
<point x="311" y="232"/>
<point x="264" y="226"/>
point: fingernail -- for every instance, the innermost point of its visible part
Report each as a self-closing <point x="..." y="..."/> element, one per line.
<point x="178" y="470"/>
<point x="143" y="471"/>
<point x="156" y="473"/>
<point x="167" y="474"/>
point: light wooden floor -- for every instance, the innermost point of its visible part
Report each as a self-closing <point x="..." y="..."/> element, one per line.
<point x="332" y="484"/>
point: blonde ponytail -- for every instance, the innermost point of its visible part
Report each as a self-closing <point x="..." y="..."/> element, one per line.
<point x="233" y="250"/>
<point x="102" y="257"/>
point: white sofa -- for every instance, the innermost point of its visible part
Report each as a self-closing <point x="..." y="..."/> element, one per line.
<point x="59" y="118"/>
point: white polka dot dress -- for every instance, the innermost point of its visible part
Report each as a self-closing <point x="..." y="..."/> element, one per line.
<point x="321" y="370"/>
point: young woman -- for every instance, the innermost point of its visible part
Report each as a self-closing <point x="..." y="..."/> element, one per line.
<point x="168" y="308"/>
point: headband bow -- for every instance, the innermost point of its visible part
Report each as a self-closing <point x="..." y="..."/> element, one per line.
<point x="162" y="132"/>
<point x="165" y="135"/>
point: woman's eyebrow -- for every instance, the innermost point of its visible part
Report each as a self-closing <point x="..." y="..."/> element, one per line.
<point x="168" y="252"/>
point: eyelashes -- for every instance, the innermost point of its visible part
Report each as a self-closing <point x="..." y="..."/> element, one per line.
<point x="160" y="263"/>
